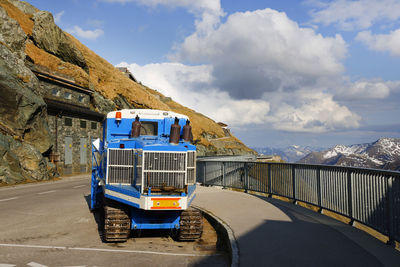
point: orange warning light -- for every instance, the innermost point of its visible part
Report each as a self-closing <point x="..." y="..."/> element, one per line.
<point x="118" y="115"/>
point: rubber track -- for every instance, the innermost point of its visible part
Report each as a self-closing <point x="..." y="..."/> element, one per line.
<point x="116" y="223"/>
<point x="191" y="225"/>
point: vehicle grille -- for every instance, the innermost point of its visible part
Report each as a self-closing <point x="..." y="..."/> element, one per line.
<point x="121" y="164"/>
<point x="164" y="170"/>
<point x="191" y="167"/>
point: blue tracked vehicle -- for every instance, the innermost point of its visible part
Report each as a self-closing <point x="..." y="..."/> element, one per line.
<point x="144" y="174"/>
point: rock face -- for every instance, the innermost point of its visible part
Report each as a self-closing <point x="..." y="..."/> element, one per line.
<point x="24" y="133"/>
<point x="12" y="34"/>
<point x="381" y="154"/>
<point x="20" y="162"/>
<point x="49" y="37"/>
<point x="22" y="112"/>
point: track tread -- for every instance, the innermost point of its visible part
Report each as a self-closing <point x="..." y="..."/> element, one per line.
<point x="191" y="225"/>
<point x="116" y="222"/>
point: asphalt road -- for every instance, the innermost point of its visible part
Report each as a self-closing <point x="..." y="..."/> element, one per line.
<point x="50" y="224"/>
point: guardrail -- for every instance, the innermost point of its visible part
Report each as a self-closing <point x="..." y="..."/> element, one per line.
<point x="371" y="197"/>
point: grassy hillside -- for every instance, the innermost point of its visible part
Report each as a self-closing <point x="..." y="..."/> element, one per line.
<point x="104" y="78"/>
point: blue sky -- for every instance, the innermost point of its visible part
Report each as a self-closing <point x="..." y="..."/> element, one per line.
<point x="278" y="73"/>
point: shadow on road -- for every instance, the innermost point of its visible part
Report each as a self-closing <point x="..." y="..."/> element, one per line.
<point x="98" y="215"/>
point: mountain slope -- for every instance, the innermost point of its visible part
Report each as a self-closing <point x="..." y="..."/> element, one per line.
<point x="381" y="154"/>
<point x="29" y="38"/>
<point x="291" y="153"/>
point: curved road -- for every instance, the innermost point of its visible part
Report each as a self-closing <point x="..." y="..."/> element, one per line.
<point x="49" y="224"/>
<point x="270" y="232"/>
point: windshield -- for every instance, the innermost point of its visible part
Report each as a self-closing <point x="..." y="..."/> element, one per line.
<point x="149" y="128"/>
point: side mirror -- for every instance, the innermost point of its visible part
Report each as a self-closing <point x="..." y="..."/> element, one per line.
<point x="96" y="144"/>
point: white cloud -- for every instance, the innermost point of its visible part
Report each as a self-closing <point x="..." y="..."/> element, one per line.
<point x="300" y="111"/>
<point x="351" y="15"/>
<point x="88" y="34"/>
<point x="258" y="67"/>
<point x="192" y="86"/>
<point x="362" y="90"/>
<point x="381" y="42"/>
<point x="57" y="16"/>
<point x="314" y="112"/>
<point x="264" y="50"/>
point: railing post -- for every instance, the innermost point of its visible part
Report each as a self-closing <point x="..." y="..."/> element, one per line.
<point x="294" y="182"/>
<point x="246" y="177"/>
<point x="319" y="187"/>
<point x="269" y="179"/>
<point x="223" y="175"/>
<point x="390" y="214"/>
<point x="204" y="172"/>
<point x="349" y="196"/>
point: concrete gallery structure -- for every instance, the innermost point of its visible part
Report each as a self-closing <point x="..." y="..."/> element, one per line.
<point x="72" y="121"/>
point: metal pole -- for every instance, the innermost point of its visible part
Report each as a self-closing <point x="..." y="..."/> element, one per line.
<point x="204" y="172"/>
<point x="390" y="201"/>
<point x="349" y="197"/>
<point x="269" y="179"/>
<point x="223" y="175"/>
<point x="319" y="187"/>
<point x="246" y="178"/>
<point x="294" y="182"/>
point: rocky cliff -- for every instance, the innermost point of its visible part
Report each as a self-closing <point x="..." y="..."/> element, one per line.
<point x="29" y="37"/>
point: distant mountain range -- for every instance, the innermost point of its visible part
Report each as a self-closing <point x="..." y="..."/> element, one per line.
<point x="381" y="154"/>
<point x="291" y="153"/>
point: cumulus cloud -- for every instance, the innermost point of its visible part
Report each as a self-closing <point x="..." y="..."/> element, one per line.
<point x="314" y="112"/>
<point x="352" y="15"/>
<point x="263" y="50"/>
<point x="57" y="16"/>
<point x="86" y="34"/>
<point x="381" y="42"/>
<point x="256" y="67"/>
<point x="192" y="85"/>
<point x="300" y="111"/>
<point x="362" y="90"/>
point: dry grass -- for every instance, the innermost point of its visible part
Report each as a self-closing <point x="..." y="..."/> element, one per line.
<point x="53" y="63"/>
<point x="111" y="82"/>
<point x="23" y="19"/>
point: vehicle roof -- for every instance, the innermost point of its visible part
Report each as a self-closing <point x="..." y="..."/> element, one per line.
<point x="146" y="114"/>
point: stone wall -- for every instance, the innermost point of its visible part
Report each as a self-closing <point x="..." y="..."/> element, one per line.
<point x="67" y="95"/>
<point x="73" y="127"/>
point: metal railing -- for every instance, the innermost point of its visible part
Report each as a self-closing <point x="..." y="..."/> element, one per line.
<point x="371" y="197"/>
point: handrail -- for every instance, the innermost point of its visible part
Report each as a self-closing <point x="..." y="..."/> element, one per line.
<point x="368" y="196"/>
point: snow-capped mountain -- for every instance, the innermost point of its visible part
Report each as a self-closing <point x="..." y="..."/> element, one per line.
<point x="381" y="154"/>
<point x="289" y="154"/>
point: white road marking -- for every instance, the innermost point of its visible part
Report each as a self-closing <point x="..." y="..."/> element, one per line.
<point x="106" y="250"/>
<point x="82" y="185"/>
<point x="7" y="199"/>
<point x="137" y="251"/>
<point x="46" y="192"/>
<point x="30" y="246"/>
<point x="7" y="265"/>
<point x="35" y="264"/>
